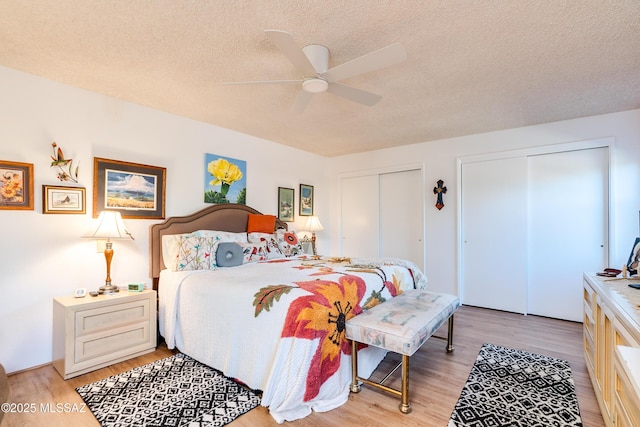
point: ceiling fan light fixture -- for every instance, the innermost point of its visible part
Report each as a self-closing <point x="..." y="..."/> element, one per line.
<point x="315" y="85"/>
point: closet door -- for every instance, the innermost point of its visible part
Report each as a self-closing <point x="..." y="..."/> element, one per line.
<point x="401" y="228"/>
<point x="494" y="234"/>
<point x="530" y="227"/>
<point x="382" y="215"/>
<point x="568" y="232"/>
<point x="359" y="215"/>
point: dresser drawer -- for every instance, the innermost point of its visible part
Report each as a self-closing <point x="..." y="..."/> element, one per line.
<point x="112" y="344"/>
<point x="111" y="316"/>
<point x="627" y="401"/>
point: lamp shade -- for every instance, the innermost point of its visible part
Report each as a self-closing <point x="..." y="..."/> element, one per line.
<point x="109" y="225"/>
<point x="313" y="224"/>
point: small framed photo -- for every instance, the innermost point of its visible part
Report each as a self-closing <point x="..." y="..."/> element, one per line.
<point x="16" y="185"/>
<point x="633" y="265"/>
<point x="286" y="204"/>
<point x="63" y="200"/>
<point x="306" y="200"/>
<point x="135" y="190"/>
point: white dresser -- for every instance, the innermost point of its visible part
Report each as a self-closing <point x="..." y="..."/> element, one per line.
<point x="93" y="332"/>
<point x="611" y="339"/>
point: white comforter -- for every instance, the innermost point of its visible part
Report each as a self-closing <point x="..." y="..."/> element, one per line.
<point x="276" y="325"/>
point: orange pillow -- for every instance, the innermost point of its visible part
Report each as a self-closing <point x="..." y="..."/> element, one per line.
<point x="261" y="223"/>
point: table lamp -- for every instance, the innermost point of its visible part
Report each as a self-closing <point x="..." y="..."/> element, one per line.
<point x="313" y="225"/>
<point x="109" y="225"/>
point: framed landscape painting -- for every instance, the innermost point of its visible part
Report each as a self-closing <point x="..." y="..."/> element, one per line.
<point x="63" y="200"/>
<point x="135" y="190"/>
<point x="285" y="204"/>
<point x="16" y="185"/>
<point x="306" y="200"/>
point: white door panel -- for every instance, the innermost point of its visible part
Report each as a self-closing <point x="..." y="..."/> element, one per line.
<point x="494" y="250"/>
<point x="401" y="216"/>
<point x="568" y="195"/>
<point x="359" y="216"/>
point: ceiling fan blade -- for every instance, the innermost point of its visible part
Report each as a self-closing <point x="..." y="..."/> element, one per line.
<point x="302" y="101"/>
<point x="262" y="82"/>
<point x="390" y="55"/>
<point x="285" y="42"/>
<point x="353" y="94"/>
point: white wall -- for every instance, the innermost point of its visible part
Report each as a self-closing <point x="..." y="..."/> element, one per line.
<point x="440" y="162"/>
<point x="43" y="256"/>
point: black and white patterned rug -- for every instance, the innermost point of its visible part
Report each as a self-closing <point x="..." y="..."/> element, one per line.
<point x="176" y="391"/>
<point x="516" y="388"/>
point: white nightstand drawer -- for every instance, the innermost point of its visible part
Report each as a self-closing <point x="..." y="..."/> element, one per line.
<point x="112" y="344"/>
<point x="109" y="317"/>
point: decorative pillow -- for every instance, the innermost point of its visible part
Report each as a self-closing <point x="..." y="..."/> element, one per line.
<point x="253" y="252"/>
<point x="273" y="250"/>
<point x="289" y="243"/>
<point x="261" y="223"/>
<point x="170" y="249"/>
<point x="229" y="254"/>
<point x="196" y="253"/>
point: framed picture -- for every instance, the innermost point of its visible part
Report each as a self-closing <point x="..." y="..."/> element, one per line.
<point x="63" y="200"/>
<point x="136" y="191"/>
<point x="306" y="200"/>
<point x="633" y="265"/>
<point x="16" y="185"/>
<point x="286" y="204"/>
<point x="225" y="180"/>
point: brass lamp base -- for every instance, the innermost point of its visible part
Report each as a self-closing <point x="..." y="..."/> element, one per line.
<point x="108" y="289"/>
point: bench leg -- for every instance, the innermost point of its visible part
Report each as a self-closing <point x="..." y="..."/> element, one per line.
<point x="355" y="386"/>
<point x="450" y="347"/>
<point x="405" y="406"/>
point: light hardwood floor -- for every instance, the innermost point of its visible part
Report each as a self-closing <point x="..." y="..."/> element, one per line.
<point x="436" y="378"/>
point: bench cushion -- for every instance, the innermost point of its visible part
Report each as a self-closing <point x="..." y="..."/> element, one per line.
<point x="402" y="324"/>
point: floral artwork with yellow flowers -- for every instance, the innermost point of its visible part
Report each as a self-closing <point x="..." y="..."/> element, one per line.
<point x="225" y="180"/>
<point x="11" y="186"/>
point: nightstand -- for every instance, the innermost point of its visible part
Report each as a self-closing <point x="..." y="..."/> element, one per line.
<point x="93" y="332"/>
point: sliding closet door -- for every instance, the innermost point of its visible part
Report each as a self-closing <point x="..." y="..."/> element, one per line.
<point x="382" y="215"/>
<point x="359" y="216"/>
<point x="568" y="216"/>
<point x="401" y="220"/>
<point x="531" y="226"/>
<point x="494" y="234"/>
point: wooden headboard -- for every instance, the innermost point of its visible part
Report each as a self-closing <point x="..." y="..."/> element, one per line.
<point x="223" y="217"/>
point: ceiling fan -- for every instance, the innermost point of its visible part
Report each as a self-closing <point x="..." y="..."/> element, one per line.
<point x="312" y="62"/>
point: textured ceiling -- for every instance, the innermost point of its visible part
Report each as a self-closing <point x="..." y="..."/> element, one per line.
<point x="473" y="66"/>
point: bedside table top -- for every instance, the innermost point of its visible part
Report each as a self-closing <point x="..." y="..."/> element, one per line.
<point x="70" y="300"/>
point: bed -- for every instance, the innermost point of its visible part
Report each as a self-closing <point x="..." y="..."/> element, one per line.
<point x="274" y="320"/>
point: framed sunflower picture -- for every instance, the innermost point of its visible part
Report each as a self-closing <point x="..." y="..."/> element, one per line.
<point x="16" y="185"/>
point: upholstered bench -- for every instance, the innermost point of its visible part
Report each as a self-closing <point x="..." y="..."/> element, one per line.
<point x="401" y="325"/>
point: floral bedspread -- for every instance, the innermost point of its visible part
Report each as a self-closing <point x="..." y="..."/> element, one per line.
<point x="292" y="345"/>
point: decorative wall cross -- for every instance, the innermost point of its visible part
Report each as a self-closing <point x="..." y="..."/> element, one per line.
<point x="439" y="190"/>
